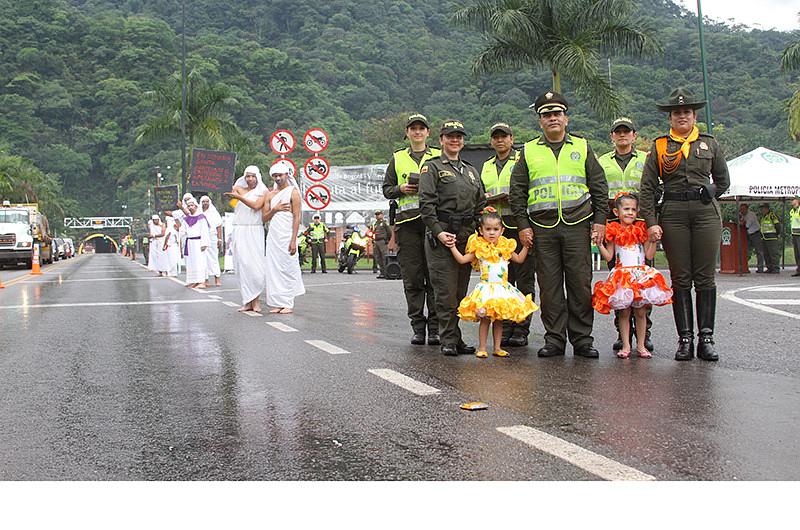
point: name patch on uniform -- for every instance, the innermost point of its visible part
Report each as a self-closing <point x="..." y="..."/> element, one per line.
<point x="445" y="173"/>
<point x="575" y="155"/>
<point x="703" y="145"/>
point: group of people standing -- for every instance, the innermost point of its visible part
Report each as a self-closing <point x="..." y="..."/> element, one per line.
<point x="551" y="201"/>
<point x="765" y="236"/>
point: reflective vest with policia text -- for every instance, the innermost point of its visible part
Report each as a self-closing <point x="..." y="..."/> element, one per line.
<point x="557" y="183"/>
<point x="318" y="231"/>
<point x="404" y="165"/>
<point x="618" y="180"/>
<point x="794" y="215"/>
<point x="769" y="230"/>
<point x="496" y="184"/>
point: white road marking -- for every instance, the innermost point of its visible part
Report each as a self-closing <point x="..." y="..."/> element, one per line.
<point x="731" y="295"/>
<point x="102" y="304"/>
<point x="231" y="304"/>
<point x="774" y="301"/>
<point x="373" y="281"/>
<point x="327" y="347"/>
<point x="776" y="289"/>
<point x="595" y="464"/>
<point x="403" y="381"/>
<point x="215" y="290"/>
<point x="215" y="297"/>
<point x="253" y="314"/>
<point x="95" y="280"/>
<point x="280" y="326"/>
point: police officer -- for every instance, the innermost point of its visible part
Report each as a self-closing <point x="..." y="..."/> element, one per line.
<point x="316" y="232"/>
<point x="794" y="216"/>
<point x="451" y="197"/>
<point x="402" y="184"/>
<point x="381" y="232"/>
<point x="559" y="197"/>
<point x="692" y="167"/>
<point x="770" y="239"/>
<point x="749" y="221"/>
<point x="623" y="168"/>
<point x="496" y="176"/>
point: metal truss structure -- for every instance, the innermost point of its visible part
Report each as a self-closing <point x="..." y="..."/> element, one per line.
<point x="98" y="223"/>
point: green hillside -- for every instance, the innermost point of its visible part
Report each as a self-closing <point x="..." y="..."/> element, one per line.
<point x="73" y="76"/>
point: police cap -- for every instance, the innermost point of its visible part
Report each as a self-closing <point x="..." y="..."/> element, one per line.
<point x="548" y="102"/>
<point x="417" y="118"/>
<point x="622" y="122"/>
<point x="453" y="126"/>
<point x="504" y="127"/>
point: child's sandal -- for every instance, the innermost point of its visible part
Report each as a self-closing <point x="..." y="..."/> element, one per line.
<point x="500" y="353"/>
<point x="624" y="354"/>
<point x="645" y="354"/>
<point x="482" y="354"/>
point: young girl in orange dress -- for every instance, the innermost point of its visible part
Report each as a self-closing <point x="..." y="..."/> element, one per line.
<point x="493" y="299"/>
<point x="631" y="285"/>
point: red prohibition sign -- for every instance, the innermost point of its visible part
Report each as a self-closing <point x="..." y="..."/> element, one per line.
<point x="318" y="197"/>
<point x="315" y="140"/>
<point x="316" y="168"/>
<point x="288" y="161"/>
<point x="282" y="142"/>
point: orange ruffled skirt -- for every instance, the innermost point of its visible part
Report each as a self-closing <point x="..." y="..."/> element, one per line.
<point x="496" y="301"/>
<point x="631" y="287"/>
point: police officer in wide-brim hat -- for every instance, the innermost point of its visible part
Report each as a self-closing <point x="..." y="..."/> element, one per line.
<point x="559" y="197"/>
<point x="692" y="167"/>
<point x="451" y="197"/>
<point x="381" y="233"/>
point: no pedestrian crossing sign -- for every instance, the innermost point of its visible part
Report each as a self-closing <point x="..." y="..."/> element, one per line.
<point x="316" y="168"/>
<point x="282" y="142"/>
<point x="315" y="140"/>
<point x="317" y="197"/>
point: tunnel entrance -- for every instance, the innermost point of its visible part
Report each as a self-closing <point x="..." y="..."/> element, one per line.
<point x="102" y="244"/>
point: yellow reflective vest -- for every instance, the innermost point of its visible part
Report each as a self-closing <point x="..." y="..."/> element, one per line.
<point x="317" y="231"/>
<point x="555" y="184"/>
<point x="495" y="183"/>
<point x="769" y="227"/>
<point x="404" y="165"/>
<point x="794" y="215"/>
<point x="618" y="180"/>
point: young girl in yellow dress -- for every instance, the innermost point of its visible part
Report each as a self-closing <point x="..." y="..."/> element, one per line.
<point x="493" y="299"/>
<point x="631" y="285"/>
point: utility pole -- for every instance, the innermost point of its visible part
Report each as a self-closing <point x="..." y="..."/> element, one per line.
<point x="705" y="70"/>
<point x="183" y="96"/>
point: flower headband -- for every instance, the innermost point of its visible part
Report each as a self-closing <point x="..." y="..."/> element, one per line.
<point x="488" y="209"/>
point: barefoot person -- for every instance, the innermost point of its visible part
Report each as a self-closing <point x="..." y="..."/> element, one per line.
<point x="215" y="236"/>
<point x="195" y="245"/>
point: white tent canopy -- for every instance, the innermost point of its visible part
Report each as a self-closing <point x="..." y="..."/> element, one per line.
<point x="763" y="174"/>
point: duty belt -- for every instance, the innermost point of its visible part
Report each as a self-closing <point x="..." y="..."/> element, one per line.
<point x="455" y="222"/>
<point x="689" y="195"/>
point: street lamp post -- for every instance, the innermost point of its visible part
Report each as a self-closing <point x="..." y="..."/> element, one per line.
<point x="705" y="70"/>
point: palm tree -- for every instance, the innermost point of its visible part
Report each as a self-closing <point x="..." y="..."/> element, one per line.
<point x="790" y="60"/>
<point x="207" y="122"/>
<point x="567" y="37"/>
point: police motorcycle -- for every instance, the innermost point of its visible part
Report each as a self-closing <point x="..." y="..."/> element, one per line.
<point x="352" y="249"/>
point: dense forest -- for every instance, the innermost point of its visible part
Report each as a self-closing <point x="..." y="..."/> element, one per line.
<point x="75" y="77"/>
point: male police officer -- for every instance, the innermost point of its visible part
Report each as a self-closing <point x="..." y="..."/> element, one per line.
<point x="402" y="183"/>
<point x="496" y="176"/>
<point x="770" y="239"/>
<point x="559" y="197"/>
<point x="623" y="168"/>
<point x="381" y="233"/>
<point x="316" y="234"/>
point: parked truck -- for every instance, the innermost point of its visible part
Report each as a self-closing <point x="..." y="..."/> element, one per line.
<point x="21" y="227"/>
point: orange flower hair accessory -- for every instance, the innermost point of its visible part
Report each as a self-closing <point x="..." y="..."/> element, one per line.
<point x="488" y="209"/>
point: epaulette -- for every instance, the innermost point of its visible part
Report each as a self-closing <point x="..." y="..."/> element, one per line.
<point x="575" y="135"/>
<point x="707" y="135"/>
<point x="663" y="136"/>
<point x="401" y="149"/>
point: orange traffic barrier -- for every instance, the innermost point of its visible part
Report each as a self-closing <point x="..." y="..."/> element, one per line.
<point x="35" y="271"/>
<point x="1" y="284"/>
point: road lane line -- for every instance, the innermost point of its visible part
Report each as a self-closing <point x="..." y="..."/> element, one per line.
<point x="215" y="297"/>
<point x="326" y="347"/>
<point x="576" y="455"/>
<point x="776" y="289"/>
<point x="774" y="301"/>
<point x="373" y="281"/>
<point x="731" y="296"/>
<point x="280" y="326"/>
<point x="252" y="314"/>
<point x="403" y="381"/>
<point x="96" y="280"/>
<point x="231" y="304"/>
<point x="103" y="304"/>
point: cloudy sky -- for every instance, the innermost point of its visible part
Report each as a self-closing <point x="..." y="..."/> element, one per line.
<point x="763" y="14"/>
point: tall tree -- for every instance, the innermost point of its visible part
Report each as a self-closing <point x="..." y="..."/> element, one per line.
<point x="567" y="37"/>
<point x="208" y="123"/>
<point x="790" y="61"/>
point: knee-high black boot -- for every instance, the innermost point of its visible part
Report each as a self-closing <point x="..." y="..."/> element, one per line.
<point x="684" y="323"/>
<point x="706" y="312"/>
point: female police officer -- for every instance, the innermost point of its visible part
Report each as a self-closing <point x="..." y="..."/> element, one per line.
<point x="451" y="196"/>
<point x="692" y="168"/>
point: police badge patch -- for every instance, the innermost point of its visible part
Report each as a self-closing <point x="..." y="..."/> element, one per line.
<point x="575" y="155"/>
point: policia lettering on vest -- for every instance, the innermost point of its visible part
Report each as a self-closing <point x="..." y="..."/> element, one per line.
<point x="559" y="198"/>
<point x="691" y="167"/>
<point x="496" y="177"/>
<point x="451" y="198"/>
<point x="401" y="183"/>
<point x="623" y="168"/>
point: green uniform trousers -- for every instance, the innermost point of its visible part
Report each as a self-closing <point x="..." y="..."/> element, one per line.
<point x="522" y="276"/>
<point x="410" y="239"/>
<point x="317" y="249"/>
<point x="692" y="232"/>
<point x="379" y="250"/>
<point x="450" y="281"/>
<point x="772" y="253"/>
<point x="564" y="258"/>
<point x="796" y="248"/>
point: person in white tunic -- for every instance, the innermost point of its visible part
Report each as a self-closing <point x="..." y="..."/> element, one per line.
<point x="215" y="236"/>
<point x="157" y="258"/>
<point x="284" y="281"/>
<point x="248" y="237"/>
<point x="195" y="245"/>
<point x="172" y="245"/>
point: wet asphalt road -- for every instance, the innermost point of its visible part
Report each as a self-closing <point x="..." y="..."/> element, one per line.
<point x="167" y="383"/>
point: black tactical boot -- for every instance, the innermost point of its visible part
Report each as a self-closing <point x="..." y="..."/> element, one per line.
<point x="684" y="323"/>
<point x="706" y="311"/>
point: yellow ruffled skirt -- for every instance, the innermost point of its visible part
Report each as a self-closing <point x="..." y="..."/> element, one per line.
<point x="496" y="301"/>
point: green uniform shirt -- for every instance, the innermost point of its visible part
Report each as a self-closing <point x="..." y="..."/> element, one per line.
<point x="449" y="187"/>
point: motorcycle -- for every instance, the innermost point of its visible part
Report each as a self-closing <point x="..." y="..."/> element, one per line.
<point x="302" y="247"/>
<point x="353" y="248"/>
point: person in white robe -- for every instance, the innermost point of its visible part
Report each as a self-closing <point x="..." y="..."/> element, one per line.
<point x="284" y="280"/>
<point x="172" y="246"/>
<point x="248" y="237"/>
<point x="195" y="244"/>
<point x="157" y="258"/>
<point x="215" y="236"/>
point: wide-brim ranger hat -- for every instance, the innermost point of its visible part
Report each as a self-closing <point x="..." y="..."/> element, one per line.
<point x="681" y="98"/>
<point x="548" y="102"/>
<point x="453" y="126"/>
<point x="417" y="118"/>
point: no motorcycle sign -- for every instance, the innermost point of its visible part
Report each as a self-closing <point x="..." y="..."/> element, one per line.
<point x="315" y="140"/>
